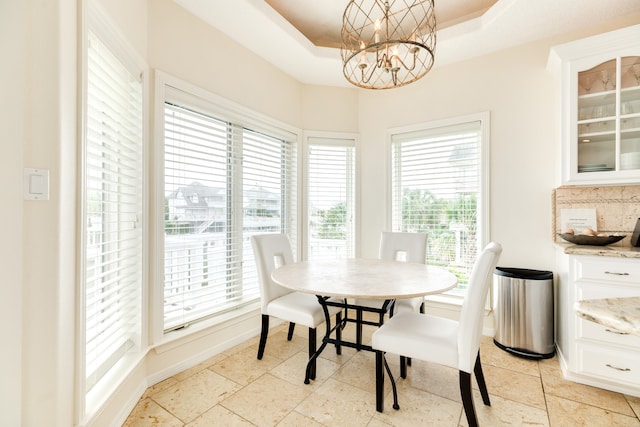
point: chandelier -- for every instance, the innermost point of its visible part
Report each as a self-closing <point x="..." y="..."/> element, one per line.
<point x="387" y="44"/>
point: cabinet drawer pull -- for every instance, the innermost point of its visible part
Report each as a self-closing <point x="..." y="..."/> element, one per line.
<point x="618" y="369"/>
<point x="616" y="332"/>
<point x="616" y="274"/>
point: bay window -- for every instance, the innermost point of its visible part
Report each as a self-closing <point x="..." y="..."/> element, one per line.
<point x="331" y="196"/>
<point x="440" y="187"/>
<point x="112" y="211"/>
<point x="227" y="174"/>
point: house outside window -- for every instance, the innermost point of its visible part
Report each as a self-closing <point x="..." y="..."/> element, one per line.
<point x="227" y="174"/>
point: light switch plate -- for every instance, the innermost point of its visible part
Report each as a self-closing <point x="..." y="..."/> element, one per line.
<point x="35" y="184"/>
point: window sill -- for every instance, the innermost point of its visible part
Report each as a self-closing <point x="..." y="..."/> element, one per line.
<point x="444" y="300"/>
<point x="175" y="339"/>
<point x="98" y="397"/>
<point x="449" y="303"/>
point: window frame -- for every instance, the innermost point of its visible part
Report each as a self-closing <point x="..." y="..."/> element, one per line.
<point x="339" y="139"/>
<point x="94" y="19"/>
<point x="168" y="86"/>
<point x="483" y="202"/>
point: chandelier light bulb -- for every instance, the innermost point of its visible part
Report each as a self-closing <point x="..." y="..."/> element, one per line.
<point x="363" y="56"/>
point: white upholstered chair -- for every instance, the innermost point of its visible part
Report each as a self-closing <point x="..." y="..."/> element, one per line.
<point x="272" y="251"/>
<point x="409" y="247"/>
<point x="399" y="246"/>
<point x="447" y="342"/>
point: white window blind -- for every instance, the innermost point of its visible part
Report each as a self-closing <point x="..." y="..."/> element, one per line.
<point x="222" y="183"/>
<point x="269" y="195"/>
<point x="112" y="211"/>
<point x="331" y="198"/>
<point x="436" y="189"/>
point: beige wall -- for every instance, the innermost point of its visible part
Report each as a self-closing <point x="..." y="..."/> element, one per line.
<point x="38" y="247"/>
<point x="48" y="238"/>
<point x="12" y="45"/>
<point x="329" y="109"/>
<point x="187" y="48"/>
<point x="130" y="16"/>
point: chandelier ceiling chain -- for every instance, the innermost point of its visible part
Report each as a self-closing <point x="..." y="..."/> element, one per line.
<point x="387" y="44"/>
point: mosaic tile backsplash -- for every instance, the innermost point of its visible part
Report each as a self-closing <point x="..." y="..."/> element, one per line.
<point x="617" y="208"/>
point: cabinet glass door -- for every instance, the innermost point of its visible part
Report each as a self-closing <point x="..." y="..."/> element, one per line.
<point x="609" y="116"/>
<point x="630" y="113"/>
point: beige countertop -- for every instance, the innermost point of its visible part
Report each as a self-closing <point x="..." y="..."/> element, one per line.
<point x="622" y="314"/>
<point x="609" y="251"/>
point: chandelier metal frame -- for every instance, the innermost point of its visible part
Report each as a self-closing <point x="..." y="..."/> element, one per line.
<point x="387" y="44"/>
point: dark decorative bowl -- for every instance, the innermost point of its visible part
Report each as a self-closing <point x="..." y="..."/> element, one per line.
<point x="583" y="239"/>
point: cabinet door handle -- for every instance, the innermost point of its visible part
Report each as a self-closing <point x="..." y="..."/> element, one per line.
<point x="616" y="274"/>
<point x="618" y="369"/>
<point x="616" y="332"/>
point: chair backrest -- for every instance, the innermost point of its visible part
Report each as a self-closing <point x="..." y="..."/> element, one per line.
<point x="472" y="313"/>
<point x="410" y="247"/>
<point x="270" y="251"/>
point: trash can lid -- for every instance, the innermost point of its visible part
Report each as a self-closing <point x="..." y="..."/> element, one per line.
<point x="524" y="273"/>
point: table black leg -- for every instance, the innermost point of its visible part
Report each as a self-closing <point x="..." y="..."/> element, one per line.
<point x="311" y="364"/>
<point x="359" y="328"/>
<point x="338" y="333"/>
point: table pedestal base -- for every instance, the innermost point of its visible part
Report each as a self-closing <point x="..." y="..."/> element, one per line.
<point x="339" y="342"/>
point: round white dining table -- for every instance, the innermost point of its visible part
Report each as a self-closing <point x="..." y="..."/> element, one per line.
<point x="365" y="278"/>
<point x="335" y="281"/>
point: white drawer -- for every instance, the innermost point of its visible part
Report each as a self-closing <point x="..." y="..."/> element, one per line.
<point x="606" y="269"/>
<point x="609" y="364"/>
<point x="598" y="290"/>
<point x="593" y="331"/>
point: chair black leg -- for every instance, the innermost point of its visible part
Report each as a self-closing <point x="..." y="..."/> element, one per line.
<point x="379" y="381"/>
<point x="477" y="369"/>
<point x="467" y="399"/>
<point x="421" y="312"/>
<point x="403" y="366"/>
<point x="290" y="333"/>
<point x="312" y="350"/>
<point x="394" y="389"/>
<point x="381" y="365"/>
<point x="263" y="335"/>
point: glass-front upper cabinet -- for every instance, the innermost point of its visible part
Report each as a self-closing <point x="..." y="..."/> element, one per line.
<point x="600" y="108"/>
<point x="608" y="116"/>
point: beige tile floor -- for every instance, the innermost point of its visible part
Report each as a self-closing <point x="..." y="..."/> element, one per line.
<point x="235" y="389"/>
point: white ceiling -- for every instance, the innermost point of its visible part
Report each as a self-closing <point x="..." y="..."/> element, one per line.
<point x="465" y="29"/>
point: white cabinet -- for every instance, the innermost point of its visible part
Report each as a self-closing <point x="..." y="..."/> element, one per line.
<point x="600" y="99"/>
<point x="591" y="353"/>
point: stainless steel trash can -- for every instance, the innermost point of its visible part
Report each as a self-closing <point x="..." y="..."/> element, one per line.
<point x="523" y="312"/>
